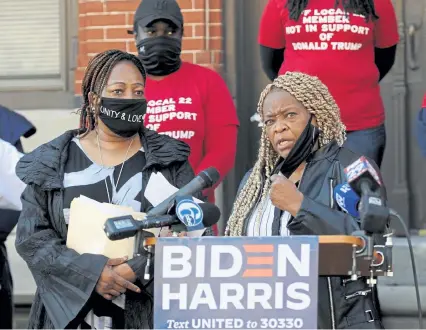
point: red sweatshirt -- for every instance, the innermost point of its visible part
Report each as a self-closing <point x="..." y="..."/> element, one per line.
<point x="338" y="49"/>
<point x="194" y="105"/>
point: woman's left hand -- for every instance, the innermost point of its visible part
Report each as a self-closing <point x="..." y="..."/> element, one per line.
<point x="285" y="195"/>
<point x="125" y="271"/>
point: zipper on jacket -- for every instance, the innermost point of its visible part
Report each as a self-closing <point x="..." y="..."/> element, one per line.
<point x="331" y="193"/>
<point x="330" y="292"/>
<point x="358" y="293"/>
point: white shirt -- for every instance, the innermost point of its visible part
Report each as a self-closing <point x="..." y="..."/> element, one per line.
<point x="11" y="187"/>
<point x="265" y="224"/>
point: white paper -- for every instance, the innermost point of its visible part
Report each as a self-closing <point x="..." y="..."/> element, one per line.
<point x="158" y="189"/>
<point x="86" y="233"/>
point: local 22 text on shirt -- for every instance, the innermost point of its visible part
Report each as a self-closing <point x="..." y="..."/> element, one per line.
<point x="166" y="105"/>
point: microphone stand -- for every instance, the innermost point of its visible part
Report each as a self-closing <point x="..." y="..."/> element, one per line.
<point x="375" y="218"/>
<point x="137" y="248"/>
<point x="176" y="229"/>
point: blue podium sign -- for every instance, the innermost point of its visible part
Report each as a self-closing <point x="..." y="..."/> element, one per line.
<point x="236" y="283"/>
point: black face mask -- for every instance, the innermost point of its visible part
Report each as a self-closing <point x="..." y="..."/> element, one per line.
<point x="160" y="56"/>
<point x="124" y="117"/>
<point x="300" y="152"/>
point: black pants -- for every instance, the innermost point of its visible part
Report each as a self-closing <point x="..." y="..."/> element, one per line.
<point x="6" y="291"/>
<point x="369" y="142"/>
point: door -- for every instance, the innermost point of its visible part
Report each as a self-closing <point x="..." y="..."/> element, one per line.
<point x="395" y="93"/>
<point x="404" y="168"/>
<point x="415" y="50"/>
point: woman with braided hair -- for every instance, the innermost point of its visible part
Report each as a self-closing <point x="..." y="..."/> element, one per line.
<point x="349" y="44"/>
<point x="109" y="159"/>
<point x="289" y="191"/>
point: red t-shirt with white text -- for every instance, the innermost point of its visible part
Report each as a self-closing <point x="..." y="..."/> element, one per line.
<point x="194" y="105"/>
<point x="338" y="49"/>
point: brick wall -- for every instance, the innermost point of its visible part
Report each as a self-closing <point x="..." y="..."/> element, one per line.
<point x="103" y="25"/>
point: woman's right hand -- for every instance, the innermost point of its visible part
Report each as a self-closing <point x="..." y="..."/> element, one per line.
<point x="110" y="284"/>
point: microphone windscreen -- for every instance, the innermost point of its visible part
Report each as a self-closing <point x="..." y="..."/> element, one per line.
<point x="347" y="199"/>
<point x="211" y="214"/>
<point x="360" y="171"/>
<point x="210" y="176"/>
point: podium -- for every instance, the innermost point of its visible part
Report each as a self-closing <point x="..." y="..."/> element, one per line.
<point x="341" y="255"/>
<point x="344" y="255"/>
<point x="255" y="282"/>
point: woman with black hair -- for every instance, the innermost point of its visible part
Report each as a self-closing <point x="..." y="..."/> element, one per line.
<point x="109" y="159"/>
<point x="349" y="44"/>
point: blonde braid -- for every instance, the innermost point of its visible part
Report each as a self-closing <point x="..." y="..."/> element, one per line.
<point x="316" y="98"/>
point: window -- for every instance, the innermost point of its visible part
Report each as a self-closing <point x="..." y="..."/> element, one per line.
<point x="32" y="39"/>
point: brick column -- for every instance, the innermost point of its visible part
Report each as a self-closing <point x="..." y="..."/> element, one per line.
<point x="103" y="25"/>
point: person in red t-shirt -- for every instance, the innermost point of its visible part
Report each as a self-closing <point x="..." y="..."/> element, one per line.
<point x="349" y="45"/>
<point x="185" y="101"/>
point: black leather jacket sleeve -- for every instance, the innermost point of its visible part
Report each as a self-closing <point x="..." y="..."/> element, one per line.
<point x="64" y="278"/>
<point x="271" y="60"/>
<point x="314" y="218"/>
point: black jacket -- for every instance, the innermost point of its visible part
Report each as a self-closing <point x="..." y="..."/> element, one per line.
<point x="65" y="279"/>
<point x="319" y="215"/>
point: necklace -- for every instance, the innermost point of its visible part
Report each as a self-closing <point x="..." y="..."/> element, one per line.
<point x="122" y="165"/>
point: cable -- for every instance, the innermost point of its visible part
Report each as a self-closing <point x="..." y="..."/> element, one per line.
<point x="413" y="264"/>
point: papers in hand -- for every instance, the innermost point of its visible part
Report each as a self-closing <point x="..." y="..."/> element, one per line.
<point x="86" y="234"/>
<point x="87" y="218"/>
<point x="158" y="189"/>
<point x="85" y="229"/>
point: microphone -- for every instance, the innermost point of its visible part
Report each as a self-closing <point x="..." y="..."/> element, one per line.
<point x="126" y="226"/>
<point x="347" y="199"/>
<point x="192" y="216"/>
<point x="362" y="177"/>
<point x="365" y="181"/>
<point x="381" y="254"/>
<point x="205" y="179"/>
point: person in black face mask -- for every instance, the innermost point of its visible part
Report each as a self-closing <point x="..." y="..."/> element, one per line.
<point x="109" y="159"/>
<point x="300" y="161"/>
<point x="158" y="34"/>
<point x="186" y="101"/>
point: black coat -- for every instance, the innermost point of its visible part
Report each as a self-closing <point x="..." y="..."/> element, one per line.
<point x="319" y="215"/>
<point x="65" y="279"/>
